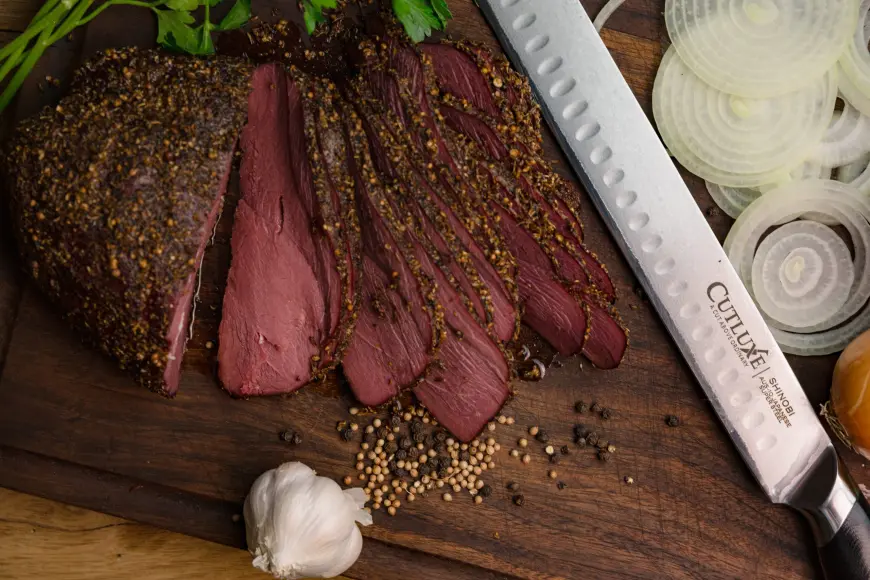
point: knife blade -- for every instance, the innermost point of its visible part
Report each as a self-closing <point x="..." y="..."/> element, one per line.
<point x="666" y="240"/>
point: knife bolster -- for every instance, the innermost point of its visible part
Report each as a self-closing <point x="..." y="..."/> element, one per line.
<point x="826" y="497"/>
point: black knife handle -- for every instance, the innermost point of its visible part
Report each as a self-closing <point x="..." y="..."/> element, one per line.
<point x="847" y="555"/>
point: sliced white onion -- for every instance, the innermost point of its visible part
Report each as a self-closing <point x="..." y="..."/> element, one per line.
<point x="849" y="172"/>
<point x="736" y="141"/>
<point x="732" y="200"/>
<point x="606" y="12"/>
<point x="802" y="274"/>
<point x="837" y="201"/>
<point x="846" y="140"/>
<point x="855" y="63"/>
<point x="760" y="48"/>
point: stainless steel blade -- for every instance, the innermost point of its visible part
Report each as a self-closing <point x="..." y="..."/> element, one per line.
<point x="669" y="245"/>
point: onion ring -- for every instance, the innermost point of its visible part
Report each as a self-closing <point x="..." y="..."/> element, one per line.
<point x="837" y="201"/>
<point x="734" y="141"/>
<point x="760" y="48"/>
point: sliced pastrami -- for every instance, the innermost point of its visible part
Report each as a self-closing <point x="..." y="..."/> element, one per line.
<point x="467" y="380"/>
<point x="476" y="244"/>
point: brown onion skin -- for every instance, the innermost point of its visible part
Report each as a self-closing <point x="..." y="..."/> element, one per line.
<point x="850" y="392"/>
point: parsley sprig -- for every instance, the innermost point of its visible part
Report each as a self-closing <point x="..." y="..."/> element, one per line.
<point x="177" y="30"/>
<point x="419" y="17"/>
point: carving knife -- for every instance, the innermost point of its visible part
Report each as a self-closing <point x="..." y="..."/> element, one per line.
<point x="635" y="186"/>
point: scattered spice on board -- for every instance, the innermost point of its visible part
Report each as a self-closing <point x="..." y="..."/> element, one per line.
<point x="672" y="421"/>
<point x="561" y="485"/>
<point x="606" y="413"/>
<point x="290" y="436"/>
<point x="595" y="408"/>
<point x="604" y="455"/>
<point x="581" y="406"/>
<point x="565" y="450"/>
<point x="513" y="486"/>
<point x="519" y="500"/>
<point x="629" y="480"/>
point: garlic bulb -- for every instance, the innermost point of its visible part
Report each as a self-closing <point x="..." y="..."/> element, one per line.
<point x="300" y="525"/>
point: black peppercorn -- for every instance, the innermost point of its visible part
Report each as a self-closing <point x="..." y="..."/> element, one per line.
<point x="604" y="455"/>
<point x="592" y="438"/>
<point x="442" y="473"/>
<point x="347" y="434"/>
<point x="513" y="486"/>
<point x="542" y="436"/>
<point x="395" y="421"/>
<point x="406" y="443"/>
<point x="519" y="500"/>
<point x="439" y="447"/>
<point x="392" y="466"/>
<point x="291" y="437"/>
<point x="401" y="455"/>
<point x="580" y="430"/>
<point x="580" y="441"/>
<point x="581" y="407"/>
<point x="595" y="408"/>
<point x="565" y="450"/>
<point x="672" y="421"/>
<point x="464" y="455"/>
<point x="561" y="485"/>
<point x="554" y="458"/>
<point x="419" y="437"/>
<point x="383" y="432"/>
<point x="400" y="472"/>
<point x="440" y="436"/>
<point x="606" y="413"/>
<point x="424" y="469"/>
<point x="391" y="447"/>
<point x="485" y="491"/>
<point x="416" y="426"/>
<point x="413" y="453"/>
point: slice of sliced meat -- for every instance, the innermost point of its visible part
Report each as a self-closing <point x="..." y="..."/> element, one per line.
<point x="332" y="160"/>
<point x="274" y="311"/>
<point x="271" y="308"/>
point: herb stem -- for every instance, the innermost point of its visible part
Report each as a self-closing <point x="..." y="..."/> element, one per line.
<point x="71" y="22"/>
<point x="49" y="20"/>
<point x="28" y="64"/>
<point x="11" y="62"/>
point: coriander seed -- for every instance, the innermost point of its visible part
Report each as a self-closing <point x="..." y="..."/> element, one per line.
<point x="553" y="474"/>
<point x="533" y="430"/>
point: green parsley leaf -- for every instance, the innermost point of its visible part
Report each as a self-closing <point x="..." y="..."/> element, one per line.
<point x="313" y="12"/>
<point x="238" y="16"/>
<point x="183" y="5"/>
<point x="174" y="31"/>
<point x="418" y="18"/>
<point x="442" y="11"/>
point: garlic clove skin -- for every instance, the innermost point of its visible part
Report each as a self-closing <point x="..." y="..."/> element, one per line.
<point x="300" y="525"/>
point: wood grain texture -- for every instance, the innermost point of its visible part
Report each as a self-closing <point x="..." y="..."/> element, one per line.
<point x="47" y="539"/>
<point x="74" y="428"/>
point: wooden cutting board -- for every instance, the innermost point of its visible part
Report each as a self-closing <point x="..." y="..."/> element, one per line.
<point x="73" y="428"/>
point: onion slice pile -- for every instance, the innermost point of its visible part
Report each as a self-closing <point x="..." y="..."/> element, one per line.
<point x="760" y="48"/>
<point x="855" y="63"/>
<point x="736" y="141"/>
<point x="812" y="290"/>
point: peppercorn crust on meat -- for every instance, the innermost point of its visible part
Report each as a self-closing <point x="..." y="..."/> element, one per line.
<point x="115" y="193"/>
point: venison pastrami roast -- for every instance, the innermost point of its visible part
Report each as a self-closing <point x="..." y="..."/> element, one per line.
<point x="115" y="193"/>
<point x="401" y="223"/>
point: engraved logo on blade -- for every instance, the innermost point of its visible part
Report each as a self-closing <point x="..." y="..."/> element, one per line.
<point x="748" y="352"/>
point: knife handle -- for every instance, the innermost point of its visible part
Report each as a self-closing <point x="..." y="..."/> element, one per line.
<point x="847" y="555"/>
